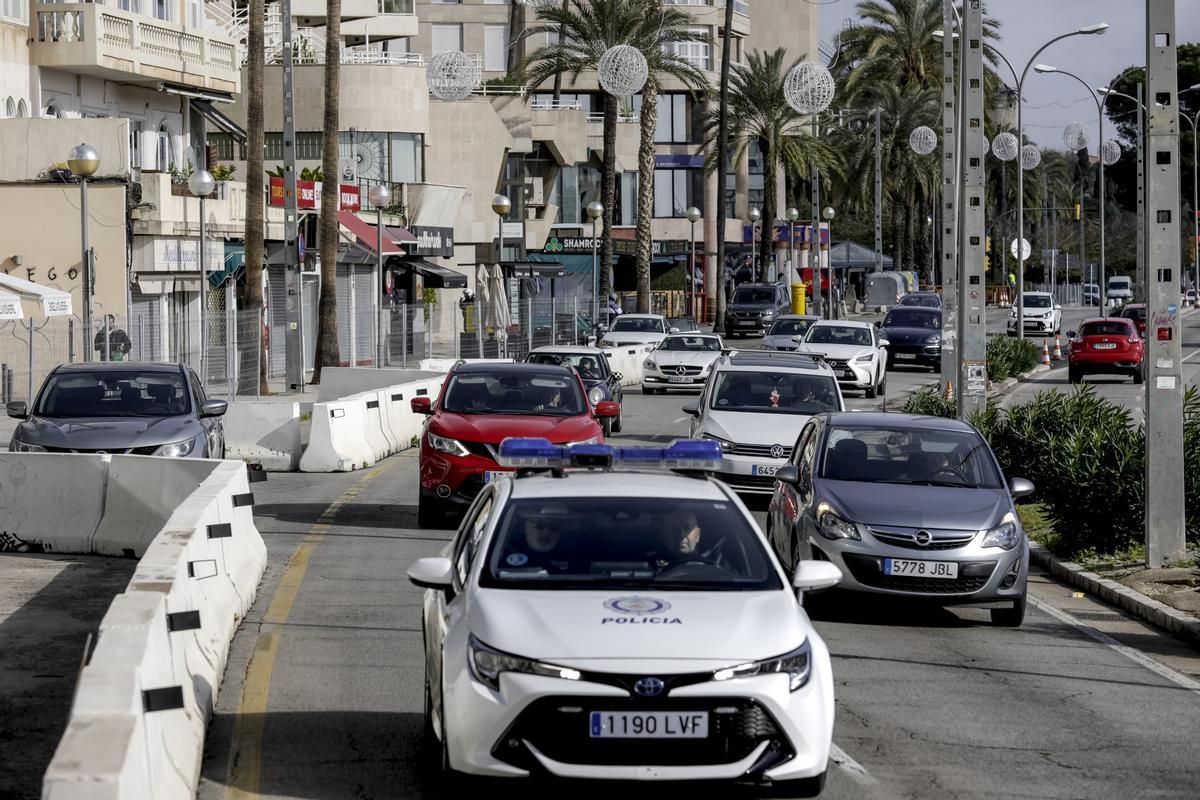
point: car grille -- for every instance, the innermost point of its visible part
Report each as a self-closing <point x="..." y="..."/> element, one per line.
<point x="838" y="363"/>
<point x="760" y="450"/>
<point x="559" y="728"/>
<point x="868" y="570"/>
<point x="672" y="369"/>
<point x="753" y="484"/>
<point x="903" y="537"/>
<point x="132" y="451"/>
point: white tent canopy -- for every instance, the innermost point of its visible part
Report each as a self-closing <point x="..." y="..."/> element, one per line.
<point x="10" y="306"/>
<point x="55" y="302"/>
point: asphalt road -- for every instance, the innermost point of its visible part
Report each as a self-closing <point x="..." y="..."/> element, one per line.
<point x="323" y="692"/>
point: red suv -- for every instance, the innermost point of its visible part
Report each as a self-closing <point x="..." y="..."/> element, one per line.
<point x="480" y="406"/>
<point x="1107" y="345"/>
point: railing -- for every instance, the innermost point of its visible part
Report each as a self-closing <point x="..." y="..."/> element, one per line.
<point x="557" y="105"/>
<point x="633" y="117"/>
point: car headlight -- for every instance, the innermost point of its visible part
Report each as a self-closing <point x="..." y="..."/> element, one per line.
<point x="487" y="663"/>
<point x="864" y="359"/>
<point x="726" y="445"/>
<point x="833" y="525"/>
<point x="25" y="447"/>
<point x="935" y="339"/>
<point x="176" y="449"/>
<point x="451" y="447"/>
<point x="767" y="313"/>
<point x="607" y="343"/>
<point x="649" y="364"/>
<point x="593" y="440"/>
<point x="1006" y="535"/>
<point x="797" y="665"/>
<point x="596" y="395"/>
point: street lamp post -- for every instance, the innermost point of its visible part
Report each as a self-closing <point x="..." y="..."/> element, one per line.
<point x="201" y="184"/>
<point x="828" y="214"/>
<point x="501" y="205"/>
<point x="595" y="210"/>
<point x="793" y="214"/>
<point x="1087" y="30"/>
<point x="1140" y="107"/>
<point x="83" y="161"/>
<point x="753" y="217"/>
<point x="693" y="216"/>
<point x="380" y="196"/>
<point x="1195" y="123"/>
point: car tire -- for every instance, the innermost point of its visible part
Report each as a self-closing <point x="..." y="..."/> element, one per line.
<point x="801" y="787"/>
<point x="648" y="391"/>
<point x="883" y="385"/>
<point x="606" y="427"/>
<point x="431" y="512"/>
<point x="1139" y="374"/>
<point x="1073" y="375"/>
<point x="618" y="422"/>
<point x="1010" y="617"/>
<point x="871" y="391"/>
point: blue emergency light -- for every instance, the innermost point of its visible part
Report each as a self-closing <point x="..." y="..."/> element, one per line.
<point x="530" y="453"/>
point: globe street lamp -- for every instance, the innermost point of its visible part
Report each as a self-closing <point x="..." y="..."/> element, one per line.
<point x="753" y="217"/>
<point x="595" y="210"/>
<point x="693" y="216"/>
<point x="201" y="184"/>
<point x="380" y="196"/>
<point x="83" y="161"/>
<point x="829" y="214"/>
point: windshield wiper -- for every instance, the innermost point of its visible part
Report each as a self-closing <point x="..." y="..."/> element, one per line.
<point x="927" y="482"/>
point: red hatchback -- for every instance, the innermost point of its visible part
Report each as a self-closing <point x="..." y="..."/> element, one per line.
<point x="1109" y="345"/>
<point x="480" y="406"/>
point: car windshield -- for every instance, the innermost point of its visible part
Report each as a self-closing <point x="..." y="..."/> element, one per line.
<point x="838" y="334"/>
<point x="1118" y="283"/>
<point x="925" y="300"/>
<point x="774" y="393"/>
<point x="684" y="324"/>
<point x="590" y="367"/>
<point x="916" y="456"/>
<point x="114" y="393"/>
<point x="623" y="543"/>
<point x="899" y="318"/>
<point x="638" y="324"/>
<point x="1135" y="313"/>
<point x="754" y="295"/>
<point x="1037" y="301"/>
<point x="536" y="393"/>
<point x="1109" y="327"/>
<point x="698" y="344"/>
<point x="790" y="327"/>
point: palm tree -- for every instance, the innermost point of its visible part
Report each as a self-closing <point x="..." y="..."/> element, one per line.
<point x="328" y="353"/>
<point x="660" y="31"/>
<point x="760" y="113"/>
<point x="722" y="158"/>
<point x="254" y="169"/>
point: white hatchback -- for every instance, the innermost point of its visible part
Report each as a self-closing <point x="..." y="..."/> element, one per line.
<point x="603" y="624"/>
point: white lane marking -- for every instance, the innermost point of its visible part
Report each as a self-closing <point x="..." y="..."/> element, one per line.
<point x="677" y="421"/>
<point x="1162" y="670"/>
<point x="855" y="770"/>
<point x="1193" y="355"/>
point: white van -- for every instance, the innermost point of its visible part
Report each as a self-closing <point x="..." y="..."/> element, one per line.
<point x="1120" y="289"/>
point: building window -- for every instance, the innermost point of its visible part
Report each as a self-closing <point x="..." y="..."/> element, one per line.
<point x="273" y="147"/>
<point x="14" y="9"/>
<point x="162" y="9"/>
<point x="164" y="160"/>
<point x="698" y="54"/>
<point x="10" y="107"/>
<point x="676" y="189"/>
<point x="446" y="37"/>
<point x="407" y="158"/>
<point x="675" y="123"/>
<point x="308" y="145"/>
<point x="495" y="48"/>
<point x="227" y="148"/>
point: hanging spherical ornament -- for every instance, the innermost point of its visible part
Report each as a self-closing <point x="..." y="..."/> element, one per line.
<point x="623" y="70"/>
<point x="453" y="75"/>
<point x="1004" y="146"/>
<point x="922" y="140"/>
<point x="1030" y="157"/>
<point x="1075" y="136"/>
<point x="1110" y="152"/>
<point x="986" y="146"/>
<point x="808" y="88"/>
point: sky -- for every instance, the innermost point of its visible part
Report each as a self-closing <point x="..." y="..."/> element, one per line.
<point x="1054" y="101"/>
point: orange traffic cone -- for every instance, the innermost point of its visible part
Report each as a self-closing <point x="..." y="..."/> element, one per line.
<point x="949" y="392"/>
<point x="1045" y="353"/>
<point x="1057" y="348"/>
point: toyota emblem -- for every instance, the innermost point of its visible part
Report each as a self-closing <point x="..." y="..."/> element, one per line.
<point x="778" y="451"/>
<point x="923" y="538"/>
<point x="649" y="687"/>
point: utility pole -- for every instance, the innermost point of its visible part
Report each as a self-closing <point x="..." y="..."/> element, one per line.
<point x="1164" y="368"/>
<point x="972" y="368"/>
<point x="292" y="268"/>
<point x="816" y="221"/>
<point x="879" y="195"/>
<point x="949" y="215"/>
<point x="1141" y="276"/>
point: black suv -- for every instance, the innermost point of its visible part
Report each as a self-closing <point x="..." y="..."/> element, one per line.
<point x="754" y="307"/>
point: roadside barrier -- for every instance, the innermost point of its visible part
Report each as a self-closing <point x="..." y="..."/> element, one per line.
<point x="1045" y="354"/>
<point x="1057" y="348"/>
<point x="264" y="434"/>
<point x="627" y="360"/>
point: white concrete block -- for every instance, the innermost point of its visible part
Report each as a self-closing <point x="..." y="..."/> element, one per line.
<point x="50" y="502"/>
<point x="338" y="383"/>
<point x="372" y="416"/>
<point x="142" y="493"/>
<point x="336" y="442"/>
<point x="264" y="434"/>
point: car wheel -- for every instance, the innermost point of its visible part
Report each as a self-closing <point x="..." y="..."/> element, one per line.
<point x="606" y="426"/>
<point x="648" y="390"/>
<point x="883" y="385"/>
<point x="1139" y="374"/>
<point x="802" y="787"/>
<point x="431" y="513"/>
<point x="618" y="423"/>
<point x="1074" y="375"/>
<point x="1010" y="617"/>
<point x="871" y="391"/>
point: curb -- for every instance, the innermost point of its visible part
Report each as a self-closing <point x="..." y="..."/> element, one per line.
<point x="1000" y="389"/>
<point x="1180" y="625"/>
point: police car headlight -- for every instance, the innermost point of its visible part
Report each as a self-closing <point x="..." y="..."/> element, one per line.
<point x="797" y="665"/>
<point x="446" y="445"/>
<point x="833" y="525"/>
<point x="487" y="663"/>
<point x="935" y="339"/>
<point x="726" y="446"/>
<point x="596" y="395"/>
<point x="1006" y="535"/>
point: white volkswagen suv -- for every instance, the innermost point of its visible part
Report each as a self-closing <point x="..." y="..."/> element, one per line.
<point x="602" y="624"/>
<point x="754" y="405"/>
<point x="856" y="351"/>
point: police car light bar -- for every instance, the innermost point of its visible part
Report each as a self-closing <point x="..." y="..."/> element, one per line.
<point x="530" y="453"/>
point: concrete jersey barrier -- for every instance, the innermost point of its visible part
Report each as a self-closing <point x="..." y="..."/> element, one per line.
<point x="264" y="434"/>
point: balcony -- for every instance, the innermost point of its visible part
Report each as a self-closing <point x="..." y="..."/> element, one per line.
<point x="363" y="20"/>
<point x="120" y="46"/>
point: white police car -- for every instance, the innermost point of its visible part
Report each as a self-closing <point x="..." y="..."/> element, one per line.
<point x="592" y="623"/>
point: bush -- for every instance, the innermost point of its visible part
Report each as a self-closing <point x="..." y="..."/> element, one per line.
<point x="931" y="403"/>
<point x="1008" y="356"/>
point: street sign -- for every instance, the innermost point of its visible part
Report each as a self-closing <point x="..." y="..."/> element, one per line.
<point x="300" y="246"/>
<point x="1026" y="249"/>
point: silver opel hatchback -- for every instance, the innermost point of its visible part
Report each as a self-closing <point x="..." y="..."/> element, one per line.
<point x="904" y="505"/>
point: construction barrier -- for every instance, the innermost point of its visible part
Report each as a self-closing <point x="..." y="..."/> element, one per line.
<point x="1045" y="354"/>
<point x="628" y="360"/>
<point x="264" y="434"/>
<point x="1057" y="348"/>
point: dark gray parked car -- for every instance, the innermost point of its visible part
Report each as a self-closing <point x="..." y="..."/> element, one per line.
<point x="753" y="307"/>
<point x="136" y="409"/>
<point x="904" y="505"/>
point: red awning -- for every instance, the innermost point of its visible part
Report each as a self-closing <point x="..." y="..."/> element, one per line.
<point x="367" y="235"/>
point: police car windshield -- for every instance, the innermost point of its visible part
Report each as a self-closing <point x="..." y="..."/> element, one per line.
<point x="623" y="543"/>
<point x="774" y="393"/>
<point x="548" y="394"/>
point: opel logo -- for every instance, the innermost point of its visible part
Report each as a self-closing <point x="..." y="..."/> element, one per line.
<point x="923" y="538"/>
<point x="778" y="451"/>
<point x="681" y="370"/>
<point x="648" y="687"/>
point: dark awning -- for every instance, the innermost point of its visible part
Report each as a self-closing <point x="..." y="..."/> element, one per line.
<point x="219" y="119"/>
<point x="528" y="269"/>
<point x="436" y="276"/>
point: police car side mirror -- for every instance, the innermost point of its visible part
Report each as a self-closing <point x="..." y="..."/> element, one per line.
<point x="813" y="576"/>
<point x="432" y="573"/>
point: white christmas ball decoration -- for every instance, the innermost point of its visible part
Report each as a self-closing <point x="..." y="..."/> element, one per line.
<point x="1075" y="136"/>
<point x="1030" y="157"/>
<point x="922" y="140"/>
<point x="1004" y="146"/>
<point x="453" y="75"/>
<point x="1110" y="152"/>
<point x="623" y="70"/>
<point x="808" y="88"/>
<point x="986" y="145"/>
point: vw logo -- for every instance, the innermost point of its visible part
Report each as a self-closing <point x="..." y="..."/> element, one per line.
<point x="681" y="370"/>
<point x="648" y="687"/>
<point x="778" y="451"/>
<point x="638" y="606"/>
<point x="923" y="538"/>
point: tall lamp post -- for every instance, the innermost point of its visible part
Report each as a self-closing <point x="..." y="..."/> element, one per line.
<point x="595" y="210"/>
<point x="828" y="214"/>
<point x="201" y="184"/>
<point x="693" y="216"/>
<point x="1140" y="107"/>
<point x="501" y="205"/>
<point x="753" y="217"/>
<point x="1195" y="123"/>
<point x="380" y="196"/>
<point x="83" y="161"/>
<point x="1087" y="30"/>
<point x="793" y="214"/>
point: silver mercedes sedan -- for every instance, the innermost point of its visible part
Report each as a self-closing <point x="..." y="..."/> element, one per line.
<point x="121" y="408"/>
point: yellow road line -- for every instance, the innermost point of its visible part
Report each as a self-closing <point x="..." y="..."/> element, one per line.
<point x="245" y="758"/>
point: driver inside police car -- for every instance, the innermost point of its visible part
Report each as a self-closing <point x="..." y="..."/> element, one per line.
<point x="680" y="540"/>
